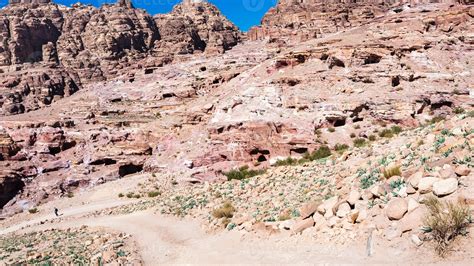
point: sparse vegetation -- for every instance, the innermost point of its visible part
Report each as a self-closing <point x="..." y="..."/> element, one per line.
<point x="321" y="153"/>
<point x="458" y="110"/>
<point x="372" y="138"/>
<point x="435" y="120"/>
<point x="33" y="210"/>
<point x="393" y="171"/>
<point x="225" y="211"/>
<point x="359" y="142"/>
<point x="154" y="194"/>
<point x="121" y="195"/>
<point x="287" y="161"/>
<point x="243" y="173"/>
<point x="445" y="221"/>
<point x="341" y="147"/>
<point x="352" y="135"/>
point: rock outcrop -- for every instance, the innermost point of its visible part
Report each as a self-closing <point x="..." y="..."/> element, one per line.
<point x="295" y="20"/>
<point x="50" y="51"/>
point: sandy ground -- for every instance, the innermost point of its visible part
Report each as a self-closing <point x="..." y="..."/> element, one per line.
<point x="169" y="240"/>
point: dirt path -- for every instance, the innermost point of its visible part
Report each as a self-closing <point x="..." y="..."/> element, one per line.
<point x="168" y="240"/>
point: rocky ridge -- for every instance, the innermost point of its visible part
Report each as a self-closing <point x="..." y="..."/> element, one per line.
<point x="50" y="51"/>
<point x="297" y="21"/>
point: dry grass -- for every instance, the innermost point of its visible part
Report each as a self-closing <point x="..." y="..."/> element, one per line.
<point x="446" y="221"/>
<point x="390" y="172"/>
<point x="226" y="211"/>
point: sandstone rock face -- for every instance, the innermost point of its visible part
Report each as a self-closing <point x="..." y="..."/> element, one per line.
<point x="48" y="51"/>
<point x="302" y="20"/>
<point x="195" y="26"/>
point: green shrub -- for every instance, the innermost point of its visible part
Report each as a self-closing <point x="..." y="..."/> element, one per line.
<point x="396" y="129"/>
<point x="359" y="142"/>
<point x="459" y="110"/>
<point x="372" y="138"/>
<point x="321" y="153"/>
<point x="154" y="194"/>
<point x="341" y="147"/>
<point x="331" y="129"/>
<point x="33" y="210"/>
<point x="445" y="221"/>
<point x="225" y="211"/>
<point x="386" y="133"/>
<point x="121" y="195"/>
<point x="243" y="173"/>
<point x="436" y="119"/>
<point x="287" y="161"/>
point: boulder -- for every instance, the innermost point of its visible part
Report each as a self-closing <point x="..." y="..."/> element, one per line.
<point x="426" y="184"/>
<point x="301" y="225"/>
<point x="396" y="208"/>
<point x="327" y="206"/>
<point x="413" y="220"/>
<point x="343" y="210"/>
<point x="445" y="187"/>
<point x="308" y="209"/>
<point x="447" y="172"/>
<point x="415" y="179"/>
<point x="354" y="196"/>
<point x="462" y="170"/>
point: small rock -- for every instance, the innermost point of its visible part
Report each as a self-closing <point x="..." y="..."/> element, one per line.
<point x="333" y="221"/>
<point x="300" y="226"/>
<point x="416" y="240"/>
<point x="396" y="208"/>
<point x="445" y="187"/>
<point x="447" y="172"/>
<point x="308" y="209"/>
<point x="410" y="189"/>
<point x="362" y="216"/>
<point x="415" y="179"/>
<point x="328" y="205"/>
<point x="377" y="191"/>
<point x="462" y="170"/>
<point x="343" y="210"/>
<point x="413" y="220"/>
<point x="354" y="196"/>
<point x="412" y="204"/>
<point x="354" y="214"/>
<point x="426" y="184"/>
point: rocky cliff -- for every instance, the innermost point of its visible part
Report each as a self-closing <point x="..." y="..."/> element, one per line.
<point x="301" y="20"/>
<point x="49" y="51"/>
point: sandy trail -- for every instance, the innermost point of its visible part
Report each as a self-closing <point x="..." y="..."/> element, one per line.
<point x="170" y="240"/>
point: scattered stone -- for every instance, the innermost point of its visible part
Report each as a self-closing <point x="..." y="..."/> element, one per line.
<point x="445" y="187"/>
<point x="343" y="210"/>
<point x="308" y="209"/>
<point x="426" y="184"/>
<point x="300" y="226"/>
<point x="416" y="240"/>
<point x="396" y="208"/>
<point x="462" y="170"/>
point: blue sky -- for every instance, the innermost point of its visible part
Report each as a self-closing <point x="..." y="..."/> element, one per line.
<point x="244" y="13"/>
